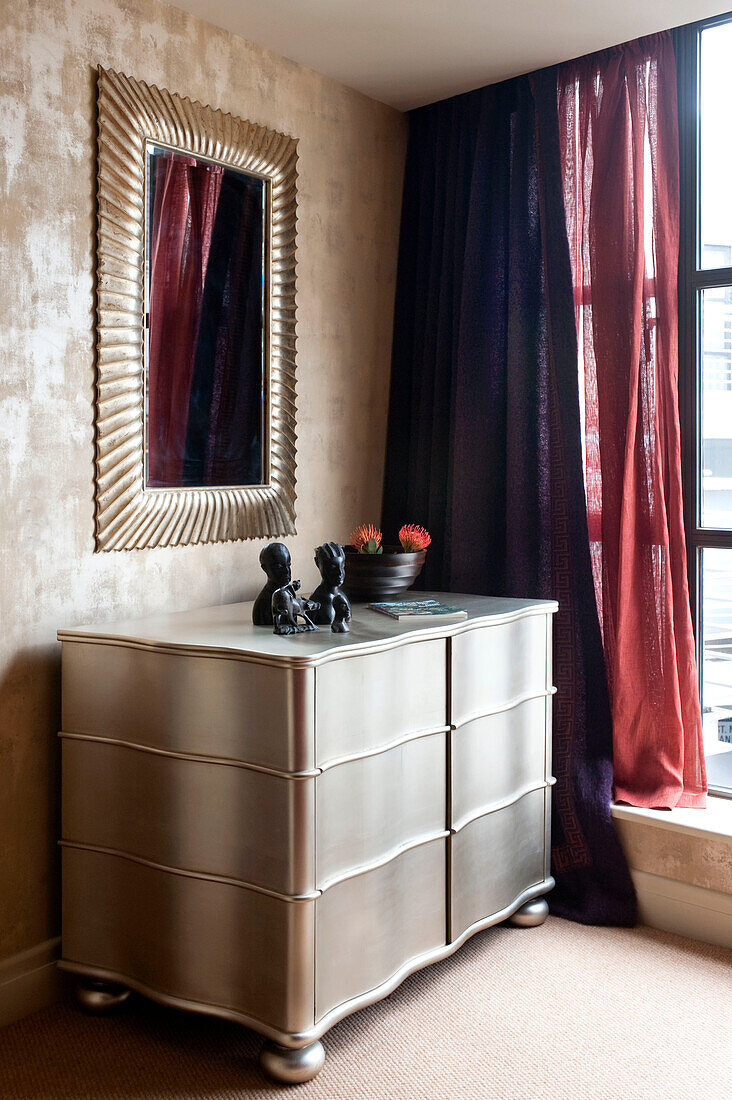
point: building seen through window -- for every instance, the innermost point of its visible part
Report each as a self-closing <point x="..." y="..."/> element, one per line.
<point x="707" y="373"/>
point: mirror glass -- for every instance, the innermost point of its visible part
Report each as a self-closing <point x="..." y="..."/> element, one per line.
<point x="206" y="323"/>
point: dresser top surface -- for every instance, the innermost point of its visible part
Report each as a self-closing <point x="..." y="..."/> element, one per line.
<point x="227" y="629"/>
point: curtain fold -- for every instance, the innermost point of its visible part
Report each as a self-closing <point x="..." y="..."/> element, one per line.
<point x="484" y="443"/>
<point x="183" y="215"/>
<point x="619" y="139"/>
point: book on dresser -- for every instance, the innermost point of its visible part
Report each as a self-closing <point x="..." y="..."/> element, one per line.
<point x="427" y="610"/>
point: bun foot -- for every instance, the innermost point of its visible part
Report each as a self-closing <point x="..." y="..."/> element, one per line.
<point x="99" y="998"/>
<point x="530" y="915"/>
<point x="292" y="1066"/>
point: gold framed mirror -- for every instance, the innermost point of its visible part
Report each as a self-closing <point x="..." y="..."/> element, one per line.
<point x="195" y="404"/>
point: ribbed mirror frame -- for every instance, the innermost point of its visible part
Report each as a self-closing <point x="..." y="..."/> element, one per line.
<point x="127" y="515"/>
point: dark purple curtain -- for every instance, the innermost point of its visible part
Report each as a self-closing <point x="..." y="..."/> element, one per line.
<point x="484" y="443"/>
<point x="224" y="433"/>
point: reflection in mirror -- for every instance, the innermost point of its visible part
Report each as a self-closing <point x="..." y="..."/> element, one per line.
<point x="206" y="288"/>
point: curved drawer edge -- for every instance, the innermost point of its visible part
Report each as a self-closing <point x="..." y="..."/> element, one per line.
<point x="222" y="1012"/>
<point x="195" y="758"/>
<point x="304" y="1038"/>
<point x="245" y="884"/>
<point x="233" y="762"/>
<point x="185" y="872"/>
<point x="382" y="860"/>
<point x="501" y="804"/>
<point x="501" y="708"/>
<point x="379" y="750"/>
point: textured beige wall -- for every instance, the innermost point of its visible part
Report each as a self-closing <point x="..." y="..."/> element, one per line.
<point x="684" y="856"/>
<point x="351" y="158"/>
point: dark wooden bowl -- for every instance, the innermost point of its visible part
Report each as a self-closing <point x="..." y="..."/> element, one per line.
<point x="381" y="576"/>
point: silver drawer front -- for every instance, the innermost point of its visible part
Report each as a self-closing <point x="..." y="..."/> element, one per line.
<point x="494" y="758"/>
<point x="495" y="665"/>
<point x="495" y="858"/>
<point x="198" y="816"/>
<point x="378" y="698"/>
<point x="251" y="826"/>
<point x="201" y="941"/>
<point x="206" y="706"/>
<point x="369" y="926"/>
<point x="370" y="807"/>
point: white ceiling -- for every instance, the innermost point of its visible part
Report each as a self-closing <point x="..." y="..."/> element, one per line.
<point x="411" y="52"/>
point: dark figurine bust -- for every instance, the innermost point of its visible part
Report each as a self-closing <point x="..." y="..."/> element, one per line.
<point x="288" y="607"/>
<point x="333" y="606"/>
<point x="275" y="560"/>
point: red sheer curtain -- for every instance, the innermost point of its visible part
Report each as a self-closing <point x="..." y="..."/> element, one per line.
<point x="618" y="126"/>
<point x="183" y="215"/>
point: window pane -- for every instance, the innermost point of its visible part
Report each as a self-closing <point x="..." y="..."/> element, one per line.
<point x="716" y="146"/>
<point x="716" y="407"/>
<point x="716" y="678"/>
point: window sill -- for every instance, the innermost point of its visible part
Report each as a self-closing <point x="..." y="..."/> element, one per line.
<point x="713" y="821"/>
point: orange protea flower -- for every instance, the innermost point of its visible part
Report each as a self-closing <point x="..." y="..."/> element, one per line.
<point x="366" y="539"/>
<point x="414" y="538"/>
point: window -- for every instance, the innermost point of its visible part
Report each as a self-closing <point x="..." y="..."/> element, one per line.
<point x="704" y="60"/>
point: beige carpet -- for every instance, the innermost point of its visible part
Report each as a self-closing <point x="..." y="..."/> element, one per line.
<point x="560" y="1012"/>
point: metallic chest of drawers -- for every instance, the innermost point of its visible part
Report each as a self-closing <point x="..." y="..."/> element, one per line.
<point x="279" y="830"/>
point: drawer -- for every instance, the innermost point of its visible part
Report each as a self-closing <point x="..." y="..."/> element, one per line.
<point x="197" y="940"/>
<point x="370" y="807"/>
<point x="207" y="706"/>
<point x="370" y="926"/>
<point x="493" y="758"/>
<point x="495" y="665"/>
<point x="368" y="701"/>
<point x="191" y="814"/>
<point x="257" y="828"/>
<point x="495" y="858"/>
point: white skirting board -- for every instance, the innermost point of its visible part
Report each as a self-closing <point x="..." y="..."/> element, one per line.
<point x="30" y="980"/>
<point x="686" y="910"/>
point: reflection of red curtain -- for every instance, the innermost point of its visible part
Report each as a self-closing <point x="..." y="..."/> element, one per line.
<point x="184" y="209"/>
<point x="618" y="125"/>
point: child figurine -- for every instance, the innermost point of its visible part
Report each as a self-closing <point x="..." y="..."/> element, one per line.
<point x="333" y="606"/>
<point x="287" y="608"/>
<point x="276" y="562"/>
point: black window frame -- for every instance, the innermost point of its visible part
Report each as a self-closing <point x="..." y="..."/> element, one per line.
<point x="692" y="280"/>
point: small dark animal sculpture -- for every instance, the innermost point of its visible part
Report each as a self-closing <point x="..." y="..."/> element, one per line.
<point x="287" y="608"/>
<point x="333" y="607"/>
<point x="276" y="562"/>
